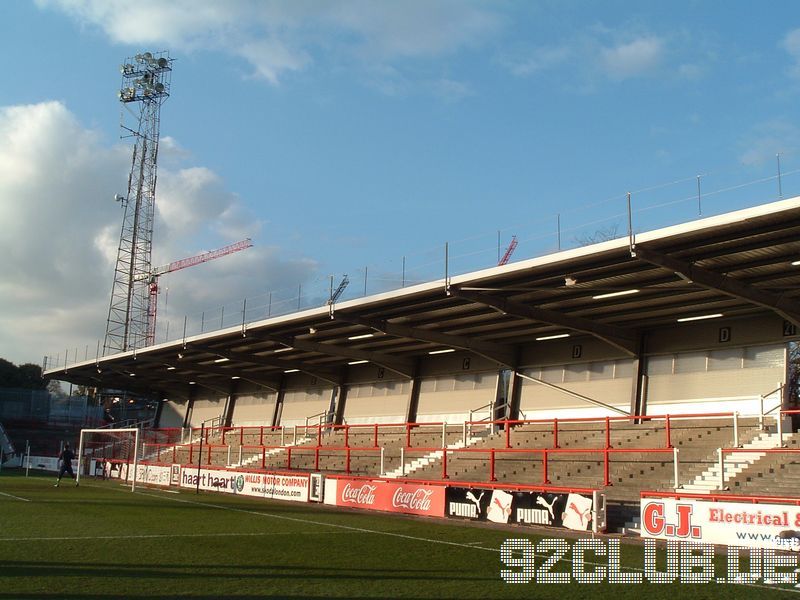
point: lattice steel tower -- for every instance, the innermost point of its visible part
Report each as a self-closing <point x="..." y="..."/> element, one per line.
<point x="145" y="86"/>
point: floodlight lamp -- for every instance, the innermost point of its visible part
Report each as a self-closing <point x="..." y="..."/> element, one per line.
<point x="159" y="87"/>
<point x="163" y="63"/>
<point x="147" y="56"/>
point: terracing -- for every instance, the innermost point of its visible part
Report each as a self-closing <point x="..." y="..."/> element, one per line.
<point x="621" y="456"/>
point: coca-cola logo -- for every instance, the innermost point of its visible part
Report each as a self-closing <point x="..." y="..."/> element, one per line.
<point x="419" y="499"/>
<point x="359" y="495"/>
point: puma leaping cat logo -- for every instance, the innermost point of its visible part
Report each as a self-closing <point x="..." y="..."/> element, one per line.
<point x="477" y="501"/>
<point x="542" y="502"/>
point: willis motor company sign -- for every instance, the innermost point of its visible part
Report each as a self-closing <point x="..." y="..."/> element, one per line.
<point x="389" y="496"/>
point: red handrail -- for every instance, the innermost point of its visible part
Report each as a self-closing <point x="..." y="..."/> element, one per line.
<point x="544" y="452"/>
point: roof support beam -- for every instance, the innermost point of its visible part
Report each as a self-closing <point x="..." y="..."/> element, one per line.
<point x="785" y="307"/>
<point x="161" y="382"/>
<point x="230" y="373"/>
<point x="401" y="366"/>
<point x="252" y="359"/>
<point x="625" y="339"/>
<point x="503" y="355"/>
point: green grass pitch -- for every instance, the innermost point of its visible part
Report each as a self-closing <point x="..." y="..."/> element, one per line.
<point x="102" y="541"/>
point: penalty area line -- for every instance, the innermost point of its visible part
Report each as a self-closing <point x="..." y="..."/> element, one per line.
<point x="14" y="497"/>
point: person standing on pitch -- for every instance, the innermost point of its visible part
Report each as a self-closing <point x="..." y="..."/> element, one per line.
<point x="66" y="457"/>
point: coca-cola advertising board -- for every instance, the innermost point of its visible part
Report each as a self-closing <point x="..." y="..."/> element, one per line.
<point x="391" y="496"/>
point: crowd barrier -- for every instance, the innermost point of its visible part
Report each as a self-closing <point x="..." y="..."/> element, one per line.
<point x="581" y="509"/>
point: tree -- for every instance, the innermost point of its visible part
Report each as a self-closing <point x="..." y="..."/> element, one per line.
<point x="80" y="390"/>
<point x="27" y="376"/>
<point x="54" y="387"/>
<point x="9" y="374"/>
<point x="31" y="377"/>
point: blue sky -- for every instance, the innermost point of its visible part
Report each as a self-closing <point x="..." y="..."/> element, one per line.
<point x="351" y="134"/>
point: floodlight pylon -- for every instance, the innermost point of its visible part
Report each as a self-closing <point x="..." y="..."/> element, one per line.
<point x="146" y="80"/>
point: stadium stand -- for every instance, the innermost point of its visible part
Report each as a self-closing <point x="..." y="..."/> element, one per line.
<point x="635" y="364"/>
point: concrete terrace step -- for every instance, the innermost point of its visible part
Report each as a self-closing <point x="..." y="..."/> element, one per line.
<point x="710" y="479"/>
<point x="405" y="470"/>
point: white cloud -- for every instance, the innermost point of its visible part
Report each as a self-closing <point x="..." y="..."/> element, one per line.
<point x="61" y="229"/>
<point x="634" y="58"/>
<point x="277" y="37"/>
<point x="537" y="60"/>
<point x="595" y="54"/>
<point x="767" y="139"/>
<point x="691" y="72"/>
<point x="791" y="43"/>
<point x="451" y="90"/>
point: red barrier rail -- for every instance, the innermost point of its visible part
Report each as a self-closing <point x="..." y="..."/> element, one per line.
<point x="316" y="449"/>
<point x="319" y="429"/>
<point x="544" y="452"/>
<point x="508" y="424"/>
<point x="174" y="448"/>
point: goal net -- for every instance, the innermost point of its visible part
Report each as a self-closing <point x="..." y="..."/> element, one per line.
<point x="109" y="453"/>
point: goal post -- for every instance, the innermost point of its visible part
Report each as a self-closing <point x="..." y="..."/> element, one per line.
<point x="110" y="445"/>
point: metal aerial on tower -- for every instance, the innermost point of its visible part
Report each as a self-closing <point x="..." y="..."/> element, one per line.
<point x="145" y="86"/>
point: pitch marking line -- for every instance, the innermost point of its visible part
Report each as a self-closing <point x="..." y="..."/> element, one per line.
<point x="404" y="536"/>
<point x="166" y="535"/>
<point x="392" y="534"/>
<point x="14" y="497"/>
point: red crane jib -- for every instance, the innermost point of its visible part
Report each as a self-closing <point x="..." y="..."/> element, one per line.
<point x="201" y="258"/>
<point x="509" y="251"/>
<point x="152" y="309"/>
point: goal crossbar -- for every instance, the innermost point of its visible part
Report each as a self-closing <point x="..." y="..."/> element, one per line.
<point x="107" y="432"/>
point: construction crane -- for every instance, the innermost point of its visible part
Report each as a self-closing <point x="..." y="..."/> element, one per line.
<point x="335" y="294"/>
<point x="152" y="308"/>
<point x="509" y="251"/>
